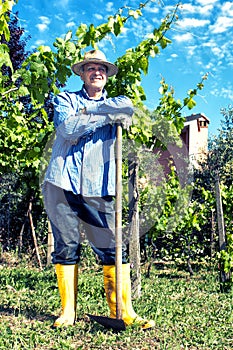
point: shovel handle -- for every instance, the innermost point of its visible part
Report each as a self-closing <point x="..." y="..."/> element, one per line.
<point x="118" y="221"/>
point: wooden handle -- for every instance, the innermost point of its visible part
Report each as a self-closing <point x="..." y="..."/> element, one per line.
<point x="118" y="222"/>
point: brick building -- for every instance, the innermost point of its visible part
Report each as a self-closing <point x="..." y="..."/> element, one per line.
<point x="195" y="137"/>
<point x="195" y="144"/>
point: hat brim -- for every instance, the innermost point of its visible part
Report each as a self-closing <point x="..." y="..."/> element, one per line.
<point x="77" y="67"/>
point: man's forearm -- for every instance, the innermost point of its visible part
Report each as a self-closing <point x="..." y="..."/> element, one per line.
<point x="120" y="104"/>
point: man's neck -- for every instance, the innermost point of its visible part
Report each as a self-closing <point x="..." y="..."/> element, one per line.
<point x="94" y="93"/>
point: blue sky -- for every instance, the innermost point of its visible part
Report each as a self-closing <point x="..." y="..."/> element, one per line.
<point x="202" y="42"/>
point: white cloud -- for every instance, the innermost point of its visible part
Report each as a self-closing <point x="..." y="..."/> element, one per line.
<point x="183" y="37"/>
<point x="222" y="24"/>
<point x="59" y="17"/>
<point x="63" y="3"/>
<point x="151" y="9"/>
<point x="45" y="21"/>
<point x="188" y="8"/>
<point x="191" y="50"/>
<point x="227" y="8"/>
<point x="217" y="51"/>
<point x="205" y="10"/>
<point x="141" y="29"/>
<point x="173" y="56"/>
<point x="42" y="27"/>
<point x="70" y="24"/>
<point x="225" y="92"/>
<point x="192" y="22"/>
<point x="39" y="42"/>
<point x="98" y="16"/>
<point x="124" y="32"/>
<point x="109" y="6"/>
<point x="210" y="66"/>
<point x="207" y="2"/>
<point x="201" y="10"/>
<point x="210" y="43"/>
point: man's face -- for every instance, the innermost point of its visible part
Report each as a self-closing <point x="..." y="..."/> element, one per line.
<point x="94" y="76"/>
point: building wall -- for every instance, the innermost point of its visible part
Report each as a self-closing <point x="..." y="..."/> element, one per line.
<point x="198" y="138"/>
<point x="195" y="144"/>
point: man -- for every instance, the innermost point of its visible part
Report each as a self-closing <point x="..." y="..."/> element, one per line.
<point x="79" y="185"/>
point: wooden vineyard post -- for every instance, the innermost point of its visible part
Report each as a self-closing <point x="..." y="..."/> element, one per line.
<point x="50" y="243"/>
<point x="34" y="234"/>
<point x="134" y="237"/>
<point x="224" y="277"/>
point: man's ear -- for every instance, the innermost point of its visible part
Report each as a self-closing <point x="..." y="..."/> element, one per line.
<point x="81" y="75"/>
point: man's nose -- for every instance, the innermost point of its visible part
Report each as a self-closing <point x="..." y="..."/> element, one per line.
<point x="97" y="71"/>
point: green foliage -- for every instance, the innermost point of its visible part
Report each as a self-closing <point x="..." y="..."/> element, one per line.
<point x="226" y="256"/>
<point x="221" y="148"/>
<point x="218" y="164"/>
<point x="135" y="62"/>
<point x="24" y="122"/>
<point x="177" y="220"/>
<point x="5" y="8"/>
<point x="4" y="57"/>
<point x="172" y="108"/>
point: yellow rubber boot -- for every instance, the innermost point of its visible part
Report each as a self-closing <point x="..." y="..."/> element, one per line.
<point x="129" y="316"/>
<point x="67" y="278"/>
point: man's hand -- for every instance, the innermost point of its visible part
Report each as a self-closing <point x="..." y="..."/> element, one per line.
<point x="82" y="110"/>
<point x="123" y="118"/>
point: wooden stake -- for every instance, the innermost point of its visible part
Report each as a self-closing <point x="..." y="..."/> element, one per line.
<point x="224" y="277"/>
<point x="50" y="243"/>
<point x="118" y="222"/>
<point x="134" y="236"/>
<point x="34" y="234"/>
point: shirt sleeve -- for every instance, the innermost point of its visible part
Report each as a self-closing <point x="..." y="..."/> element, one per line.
<point x="120" y="104"/>
<point x="79" y="125"/>
<point x="72" y="125"/>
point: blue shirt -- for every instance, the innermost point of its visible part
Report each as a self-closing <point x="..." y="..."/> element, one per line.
<point x="83" y="159"/>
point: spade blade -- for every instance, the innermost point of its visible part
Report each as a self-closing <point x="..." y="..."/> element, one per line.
<point x="109" y="322"/>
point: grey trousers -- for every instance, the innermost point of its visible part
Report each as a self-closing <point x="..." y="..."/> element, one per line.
<point x="96" y="215"/>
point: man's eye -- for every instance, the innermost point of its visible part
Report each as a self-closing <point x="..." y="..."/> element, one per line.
<point x="100" y="69"/>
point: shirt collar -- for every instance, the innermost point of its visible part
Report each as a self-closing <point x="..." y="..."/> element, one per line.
<point x="85" y="94"/>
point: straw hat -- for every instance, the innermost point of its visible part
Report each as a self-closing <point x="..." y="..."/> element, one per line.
<point x="95" y="56"/>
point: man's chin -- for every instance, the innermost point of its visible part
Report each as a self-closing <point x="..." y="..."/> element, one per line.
<point x="97" y="85"/>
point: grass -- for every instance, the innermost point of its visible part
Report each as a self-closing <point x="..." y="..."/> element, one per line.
<point x="190" y="313"/>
